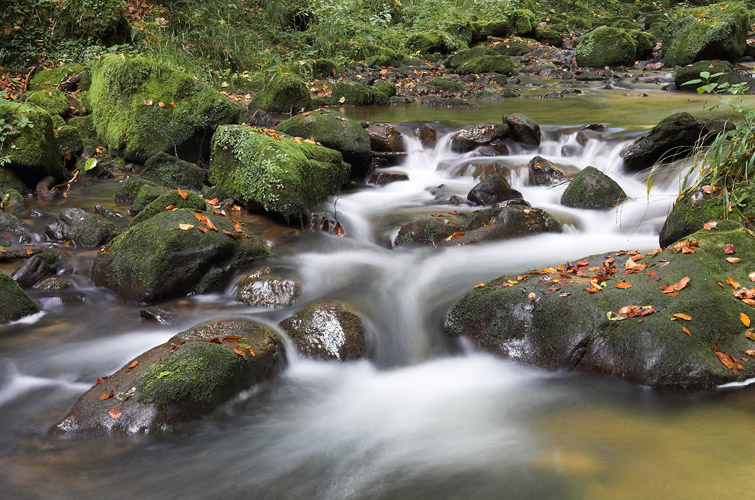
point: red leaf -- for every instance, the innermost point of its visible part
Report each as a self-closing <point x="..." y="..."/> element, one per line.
<point x="107" y="395"/>
<point x="676" y="287"/>
<point x="710" y="225"/>
<point x="730" y="249"/>
<point x="216" y="340"/>
<point x="115" y="413"/>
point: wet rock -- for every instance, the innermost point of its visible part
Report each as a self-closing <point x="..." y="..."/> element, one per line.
<point x="333" y="131"/>
<point x="267" y="287"/>
<point x="494" y="189"/>
<point x="491" y="224"/>
<point x="327" y="330"/>
<point x="386" y="177"/>
<point x="173" y="199"/>
<point x="53" y="284"/>
<point x="593" y="189"/>
<point x="556" y="323"/>
<point x="277" y="175"/>
<point x="262" y="120"/>
<point x="81" y="228"/>
<point x="156" y="315"/>
<point x="37" y="268"/>
<point x="130" y="188"/>
<point x="484" y="169"/>
<point x="157" y="260"/>
<point x="692" y="72"/>
<point x="146" y="195"/>
<point x="98" y="171"/>
<point x="544" y="172"/>
<point x="321" y="222"/>
<point x="386" y="138"/>
<point x="191" y="375"/>
<point x="673" y="137"/>
<point x="169" y="171"/>
<point x="12" y="201"/>
<point x="107" y="212"/>
<point x="523" y="129"/>
<point x="12" y="230"/>
<point x="473" y="137"/>
<point x="15" y="303"/>
<point x="428" y="136"/>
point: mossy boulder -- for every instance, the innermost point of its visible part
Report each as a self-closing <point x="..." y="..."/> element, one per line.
<point x="499" y="29"/>
<point x="523" y="22"/>
<point x="447" y="84"/>
<point x="490" y="224"/>
<point x="644" y="43"/>
<point x="386" y="57"/>
<point x="593" y="189"/>
<point x="53" y="101"/>
<point x="283" y="94"/>
<point x="102" y="20"/>
<point x="569" y="322"/>
<point x="11" y="200"/>
<point x="147" y="193"/>
<point x="85" y="124"/>
<point x="674" y="136"/>
<point x="358" y="94"/>
<point x="716" y="31"/>
<point x="129" y="190"/>
<point x="549" y="37"/>
<point x="437" y="42"/>
<point x="191" y="375"/>
<point x="69" y="141"/>
<point x="275" y="173"/>
<point x="126" y="95"/>
<point x="488" y="64"/>
<point x="327" y="330"/>
<point x="9" y="180"/>
<point x="173" y="199"/>
<point x="268" y="287"/>
<point x="388" y="89"/>
<point x="158" y="260"/>
<point x="16" y="304"/>
<point x="32" y="154"/>
<point x="606" y="46"/>
<point x="167" y="170"/>
<point x="47" y="79"/>
<point x="333" y="131"/>
<point x="692" y="72"/>
<point x="324" y="68"/>
<point x="81" y="228"/>
<point x="463" y="56"/>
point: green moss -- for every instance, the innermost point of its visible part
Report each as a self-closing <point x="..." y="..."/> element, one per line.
<point x="463" y="56"/>
<point x="447" y="84"/>
<point x="388" y="89"/>
<point x="130" y="188"/>
<point x="523" y="22"/>
<point x="549" y="37"/>
<point x="69" y="141"/>
<point x="357" y="94"/>
<point x="85" y="124"/>
<point x="103" y="20"/>
<point x="171" y="198"/>
<point x="437" y="42"/>
<point x="489" y="64"/>
<point x="283" y="94"/>
<point x="274" y="174"/>
<point x="33" y="153"/>
<point x="716" y="31"/>
<point x="644" y="43"/>
<point x="324" y="68"/>
<point x="53" y="101"/>
<point x="498" y="29"/>
<point x="48" y="79"/>
<point x="386" y="57"/>
<point x="606" y="46"/>
<point x="692" y="72"/>
<point x="16" y="304"/>
<point x="172" y="172"/>
<point x="11" y="200"/>
<point x="147" y="194"/>
<point x="126" y="93"/>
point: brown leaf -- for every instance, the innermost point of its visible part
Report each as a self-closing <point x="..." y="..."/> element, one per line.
<point x="685" y="317"/>
<point x="676" y="287"/>
<point x="623" y="285"/>
<point x="238" y="350"/>
<point x="231" y="338"/>
<point x="182" y="193"/>
<point x="101" y="380"/>
<point x="750" y="352"/>
<point x="745" y="319"/>
<point x="216" y="340"/>
<point x="233" y="235"/>
<point x="750" y="333"/>
<point x="733" y="260"/>
<point x="339" y="231"/>
<point x="114" y="413"/>
<point x="728" y="361"/>
<point x="107" y="395"/>
<point x="688" y="250"/>
<point x="203" y="229"/>
<point x="206" y="221"/>
<point x="479" y="285"/>
<point x="730" y="249"/>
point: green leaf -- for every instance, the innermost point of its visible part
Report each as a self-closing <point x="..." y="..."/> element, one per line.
<point x="90" y="164"/>
<point x="692" y="82"/>
<point x="164" y="374"/>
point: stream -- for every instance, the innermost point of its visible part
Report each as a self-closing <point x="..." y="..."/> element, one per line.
<point x="425" y="417"/>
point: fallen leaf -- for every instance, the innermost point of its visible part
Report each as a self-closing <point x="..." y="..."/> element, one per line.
<point x="733" y="260"/>
<point x="623" y="285"/>
<point x="147" y="102"/>
<point x="733" y="283"/>
<point x="339" y="230"/>
<point x="532" y="296"/>
<point x="728" y="361"/>
<point x="745" y="319"/>
<point x="710" y="225"/>
<point x="676" y="287"/>
<point x="231" y="338"/>
<point x="107" y="395"/>
<point x="686" y="330"/>
<point x="115" y="413"/>
<point x="685" y="317"/>
<point x="206" y="221"/>
<point x="634" y="311"/>
<point x="238" y="350"/>
<point x="132" y="365"/>
<point x="479" y="285"/>
<point x="457" y="234"/>
<point x="216" y="340"/>
<point x="185" y="227"/>
<point x="750" y="352"/>
<point x="182" y="193"/>
<point x="750" y="333"/>
<point x="730" y="249"/>
<point x="233" y="235"/>
<point x="169" y="208"/>
<point x="102" y="379"/>
<point x="688" y="250"/>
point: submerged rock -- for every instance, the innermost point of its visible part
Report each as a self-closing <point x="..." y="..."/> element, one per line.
<point x="625" y="330"/>
<point x="191" y="375"/>
<point x="591" y="188"/>
<point x="174" y="253"/>
<point x="475" y="136"/>
<point x="81" y="228"/>
<point x="267" y="287"/>
<point x="327" y="330"/>
<point x="15" y="303"/>
<point x="523" y="129"/>
<point x="544" y="172"/>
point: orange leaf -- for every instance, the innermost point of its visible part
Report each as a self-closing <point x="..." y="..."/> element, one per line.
<point x="745" y="319"/>
<point x="676" y="287"/>
<point x="203" y="229"/>
<point x="232" y="338"/>
<point x="750" y="352"/>
<point x="688" y="250"/>
<point x="182" y="193"/>
<point x="686" y="330"/>
<point x="233" y="235"/>
<point x="185" y="227"/>
<point x="728" y="361"/>
<point x="107" y="395"/>
<point x="457" y="234"/>
<point x="733" y="260"/>
<point x="730" y="249"/>
<point x="479" y="285"/>
<point x="685" y="317"/>
<point x="132" y="365"/>
<point x="238" y="350"/>
<point x="339" y="230"/>
<point x="114" y="413"/>
<point x="216" y="340"/>
<point x="733" y="283"/>
<point x="710" y="225"/>
<point x="251" y="351"/>
<point x="623" y="285"/>
<point x="169" y="208"/>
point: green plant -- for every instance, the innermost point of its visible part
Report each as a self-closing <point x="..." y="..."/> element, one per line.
<point x="11" y="124"/>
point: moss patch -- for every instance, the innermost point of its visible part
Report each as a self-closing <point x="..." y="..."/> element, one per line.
<point x="16" y="304"/>
<point x="606" y="46"/>
<point x="53" y="101"/>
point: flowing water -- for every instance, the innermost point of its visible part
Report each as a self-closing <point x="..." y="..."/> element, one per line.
<point x="426" y="417"/>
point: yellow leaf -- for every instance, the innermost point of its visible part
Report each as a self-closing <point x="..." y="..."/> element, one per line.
<point x="185" y="227"/>
<point x="745" y="319"/>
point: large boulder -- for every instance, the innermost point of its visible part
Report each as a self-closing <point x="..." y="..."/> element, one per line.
<point x="592" y="189"/>
<point x="267" y="287"/>
<point x="502" y="64"/>
<point x="102" y="20"/>
<point x="692" y="72"/>
<point x="141" y="108"/>
<point x="81" y="228"/>
<point x="275" y="173"/>
<point x="543" y="172"/>
<point x="674" y="136"/>
<point x="606" y="46"/>
<point x="16" y="304"/>
<point x="31" y="152"/>
<point x="175" y="253"/>
<point x="357" y="94"/>
<point x="169" y="201"/>
<point x="327" y="330"/>
<point x="173" y="172"/>
<point x="666" y="323"/>
<point x="385" y="138"/>
<point x="470" y="138"/>
<point x="190" y="375"/>
<point x="491" y="224"/>
<point x="283" y="94"/>
<point x="53" y="101"/>
<point x="493" y="189"/>
<point x="523" y="129"/>
<point x="333" y="131"/>
<point x="717" y="31"/>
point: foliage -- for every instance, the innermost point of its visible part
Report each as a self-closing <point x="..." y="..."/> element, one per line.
<point x="11" y="124"/>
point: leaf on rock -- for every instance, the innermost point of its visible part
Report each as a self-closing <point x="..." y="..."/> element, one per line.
<point x="623" y="285"/>
<point x="457" y="234"/>
<point x="750" y="333"/>
<point x="710" y="225"/>
<point x="685" y="317"/>
<point x="686" y="330"/>
<point x="733" y="283"/>
<point x="185" y="227"/>
<point x="238" y="350"/>
<point x="750" y="352"/>
<point x="728" y="361"/>
<point x="232" y="338"/>
<point x="676" y="287"/>
<point x="479" y="285"/>
<point x="107" y="395"/>
<point x="182" y="193"/>
<point x="733" y="260"/>
<point x="688" y="250"/>
<point x="745" y="319"/>
<point x="635" y="311"/>
<point x="730" y="249"/>
<point x="115" y="413"/>
<point x="233" y="235"/>
<point x="132" y="365"/>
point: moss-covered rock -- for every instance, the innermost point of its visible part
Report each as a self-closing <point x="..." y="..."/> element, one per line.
<point x="644" y="43"/>
<point x="717" y="31"/>
<point x="549" y="37"/>
<point x="386" y="57"/>
<point x="85" y="124"/>
<point x="191" y="375"/>
<point x="147" y="194"/>
<point x="464" y="56"/>
<point x="674" y="136"/>
<point x="593" y="189"/>
<point x="388" y="89"/>
<point x="9" y="180"/>
<point x="81" y="228"/>
<point x="158" y="260"/>
<point x="16" y="304"/>
<point x="692" y="72"/>
<point x="167" y="170"/>
<point x="69" y="141"/>
<point x="127" y="94"/>
<point x="447" y="84"/>
<point x="283" y="94"/>
<point x="169" y="199"/>
<point x="488" y="64"/>
<point x="499" y="29"/>
<point x="437" y="42"/>
<point x="489" y="224"/>
<point x="11" y="200"/>
<point x="523" y="22"/>
<point x="359" y="94"/>
<point x="103" y="20"/>
<point x="327" y="330"/>
<point x="333" y="131"/>
<point x="130" y="188"/>
<point x="48" y="79"/>
<point x="53" y="101"/>
<point x="558" y="323"/>
<point x="275" y="174"/>
<point x="324" y="68"/>
<point x="606" y="46"/>
<point x="268" y="287"/>
<point x="32" y="154"/>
